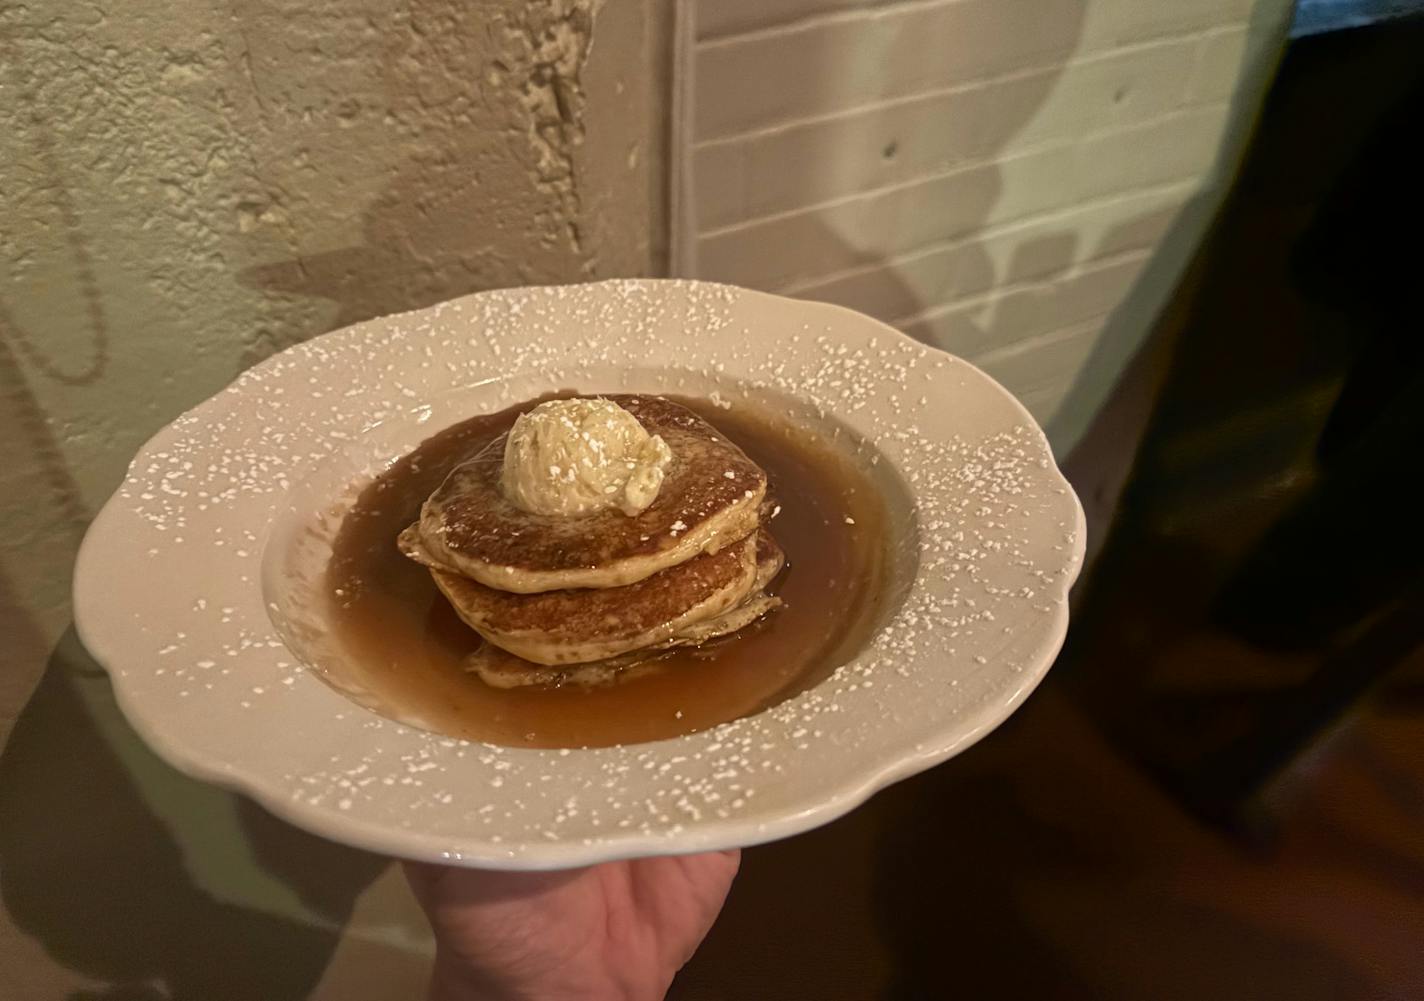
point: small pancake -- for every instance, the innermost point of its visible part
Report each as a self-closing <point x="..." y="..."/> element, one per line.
<point x="710" y="498"/>
<point x="502" y="669"/>
<point x="727" y="623"/>
<point x="770" y="560"/>
<point x="576" y="626"/>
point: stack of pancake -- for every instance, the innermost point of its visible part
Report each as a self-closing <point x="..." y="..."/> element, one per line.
<point x="586" y="598"/>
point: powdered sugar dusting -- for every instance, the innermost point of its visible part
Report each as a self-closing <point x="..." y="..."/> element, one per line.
<point x="224" y="508"/>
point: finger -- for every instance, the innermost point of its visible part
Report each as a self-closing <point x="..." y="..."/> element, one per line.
<point x="467" y="885"/>
<point x="422" y="878"/>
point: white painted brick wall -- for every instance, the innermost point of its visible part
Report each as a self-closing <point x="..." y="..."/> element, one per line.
<point x="823" y="66"/>
<point x="993" y="176"/>
<point x="911" y="137"/>
<point x="977" y="328"/>
<point x="1115" y="22"/>
<point x="1040" y="249"/>
<point x="1214" y="73"/>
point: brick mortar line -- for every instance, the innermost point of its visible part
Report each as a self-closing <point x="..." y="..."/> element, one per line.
<point x="978" y="83"/>
<point x="921" y="179"/>
<point x="853" y="15"/>
<point x="1044" y="340"/>
<point x="810" y="22"/>
<point x="989" y="233"/>
<point x="1078" y="270"/>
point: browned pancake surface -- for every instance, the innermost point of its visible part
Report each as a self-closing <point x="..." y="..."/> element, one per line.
<point x="502" y="669"/>
<point x="604" y="614"/>
<point x="708" y="475"/>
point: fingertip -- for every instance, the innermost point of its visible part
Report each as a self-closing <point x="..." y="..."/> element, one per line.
<point x="420" y="875"/>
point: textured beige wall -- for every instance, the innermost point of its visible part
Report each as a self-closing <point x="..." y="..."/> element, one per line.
<point x="191" y="186"/>
<point x="188" y="187"/>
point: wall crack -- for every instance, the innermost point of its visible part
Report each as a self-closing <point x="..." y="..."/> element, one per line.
<point x="550" y="44"/>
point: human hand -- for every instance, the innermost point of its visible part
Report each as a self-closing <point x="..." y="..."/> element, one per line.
<point x="618" y="931"/>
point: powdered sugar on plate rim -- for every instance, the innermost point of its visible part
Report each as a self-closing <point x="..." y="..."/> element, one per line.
<point x="989" y="550"/>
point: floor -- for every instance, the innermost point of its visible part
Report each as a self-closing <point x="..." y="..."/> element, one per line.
<point x="1040" y="864"/>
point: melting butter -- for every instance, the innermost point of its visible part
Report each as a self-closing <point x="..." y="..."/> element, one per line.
<point x="575" y="457"/>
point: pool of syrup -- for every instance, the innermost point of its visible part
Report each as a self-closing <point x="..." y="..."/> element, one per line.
<point x="387" y="612"/>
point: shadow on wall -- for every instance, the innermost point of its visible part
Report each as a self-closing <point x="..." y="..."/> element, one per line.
<point x="1132" y="322"/>
<point x="13" y="337"/>
<point x="88" y="869"/>
<point x="1023" y="304"/>
<point x="32" y="445"/>
<point x="99" y="880"/>
<point x="486" y="195"/>
<point x="956" y="235"/>
<point x="929" y="168"/>
<point x="908" y="252"/>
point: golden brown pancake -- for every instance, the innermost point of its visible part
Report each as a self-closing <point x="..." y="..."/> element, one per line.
<point x="710" y="498"/>
<point x="502" y="669"/>
<point x="576" y="626"/>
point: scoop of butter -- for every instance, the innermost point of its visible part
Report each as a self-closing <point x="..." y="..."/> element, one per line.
<point x="573" y="457"/>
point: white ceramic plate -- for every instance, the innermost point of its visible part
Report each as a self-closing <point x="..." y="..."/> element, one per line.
<point x="198" y="584"/>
